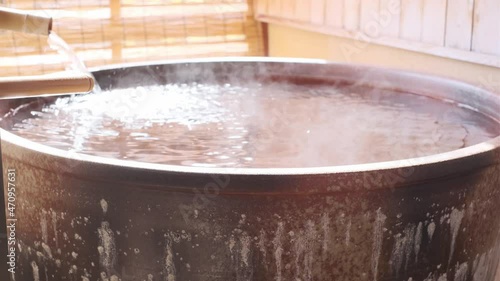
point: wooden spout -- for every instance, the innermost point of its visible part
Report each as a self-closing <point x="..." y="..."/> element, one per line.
<point x="20" y="21"/>
<point x="46" y="85"/>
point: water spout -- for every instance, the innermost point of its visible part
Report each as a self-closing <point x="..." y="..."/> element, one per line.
<point x="25" y="22"/>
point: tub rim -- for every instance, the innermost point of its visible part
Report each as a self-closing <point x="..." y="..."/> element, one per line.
<point x="424" y="168"/>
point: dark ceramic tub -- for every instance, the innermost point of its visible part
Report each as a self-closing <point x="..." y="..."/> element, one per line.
<point x="88" y="218"/>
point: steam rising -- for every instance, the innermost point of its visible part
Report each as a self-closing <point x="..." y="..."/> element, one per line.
<point x="247" y="124"/>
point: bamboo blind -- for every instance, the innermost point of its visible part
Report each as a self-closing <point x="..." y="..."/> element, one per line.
<point x="113" y="31"/>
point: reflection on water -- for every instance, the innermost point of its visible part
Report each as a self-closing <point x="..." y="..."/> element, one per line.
<point x="251" y="125"/>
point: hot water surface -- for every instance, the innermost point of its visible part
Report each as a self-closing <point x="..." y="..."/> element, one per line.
<point x="253" y="125"/>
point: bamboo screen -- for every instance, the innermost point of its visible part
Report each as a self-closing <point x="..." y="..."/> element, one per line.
<point x="113" y="31"/>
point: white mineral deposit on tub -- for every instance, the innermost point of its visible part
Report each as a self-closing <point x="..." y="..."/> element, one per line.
<point x="410" y="242"/>
<point x="278" y="249"/>
<point x="378" y="236"/>
<point x="245" y="248"/>
<point x="348" y="232"/>
<point x="443" y="218"/>
<point x="43" y="226"/>
<point x="104" y="206"/>
<point x="480" y="268"/>
<point x="298" y="251"/>
<point x="243" y="219"/>
<point x="262" y="245"/>
<point x="325" y="226"/>
<point x="461" y="272"/>
<point x="107" y="248"/>
<point x="430" y="230"/>
<point x="418" y="240"/>
<point x="403" y="247"/>
<point x="86" y="273"/>
<point x="303" y="247"/>
<point x="47" y="251"/>
<point x="36" y="273"/>
<point x="104" y="277"/>
<point x="73" y="269"/>
<point x="231" y="244"/>
<point x="54" y="228"/>
<point x="169" y="265"/>
<point x="443" y="277"/>
<point x="40" y="255"/>
<point x="430" y="277"/>
<point x="470" y="212"/>
<point x="456" y="217"/>
<point x="310" y="238"/>
<point x="397" y="253"/>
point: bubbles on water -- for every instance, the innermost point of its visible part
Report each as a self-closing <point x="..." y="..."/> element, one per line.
<point x="279" y="125"/>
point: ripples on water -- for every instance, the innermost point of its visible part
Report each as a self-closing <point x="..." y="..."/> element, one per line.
<point x="279" y="125"/>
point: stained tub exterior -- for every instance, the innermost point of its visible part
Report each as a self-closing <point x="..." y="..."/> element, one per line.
<point x="87" y="226"/>
<point x="88" y="218"/>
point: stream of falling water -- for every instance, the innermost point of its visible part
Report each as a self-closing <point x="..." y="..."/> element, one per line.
<point x="73" y="62"/>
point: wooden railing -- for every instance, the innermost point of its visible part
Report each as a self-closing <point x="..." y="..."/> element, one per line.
<point x="467" y="30"/>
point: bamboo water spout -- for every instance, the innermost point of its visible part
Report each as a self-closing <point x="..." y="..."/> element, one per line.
<point x="21" y="21"/>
